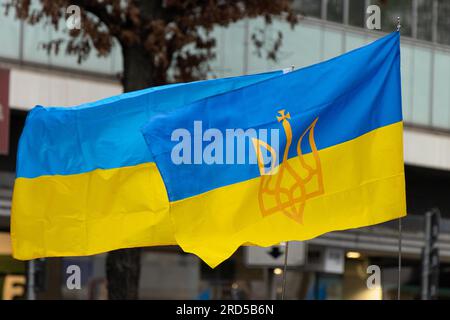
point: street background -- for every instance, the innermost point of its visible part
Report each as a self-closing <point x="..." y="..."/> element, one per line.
<point x="333" y="266"/>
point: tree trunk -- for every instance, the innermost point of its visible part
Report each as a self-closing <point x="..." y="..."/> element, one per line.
<point x="123" y="266"/>
<point x="123" y="269"/>
<point x="138" y="69"/>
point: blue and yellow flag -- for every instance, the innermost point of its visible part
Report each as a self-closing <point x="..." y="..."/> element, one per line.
<point x="289" y="158"/>
<point x="86" y="182"/>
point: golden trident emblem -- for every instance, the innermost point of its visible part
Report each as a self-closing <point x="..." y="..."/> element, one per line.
<point x="286" y="187"/>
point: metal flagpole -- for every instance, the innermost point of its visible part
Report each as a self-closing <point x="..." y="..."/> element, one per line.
<point x="399" y="258"/>
<point x="399" y="284"/>
<point x="283" y="287"/>
<point x="30" y="280"/>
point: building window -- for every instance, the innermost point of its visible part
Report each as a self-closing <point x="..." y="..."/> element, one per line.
<point x="417" y="17"/>
<point x="443" y="22"/>
<point x="390" y="10"/>
<point x="424" y="19"/>
<point x="309" y="8"/>
<point x="356" y="13"/>
<point x="335" y="10"/>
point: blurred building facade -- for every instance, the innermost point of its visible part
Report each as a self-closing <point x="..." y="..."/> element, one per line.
<point x="335" y="265"/>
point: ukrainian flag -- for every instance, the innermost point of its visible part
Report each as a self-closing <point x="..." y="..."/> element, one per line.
<point x="86" y="182"/>
<point x="337" y="162"/>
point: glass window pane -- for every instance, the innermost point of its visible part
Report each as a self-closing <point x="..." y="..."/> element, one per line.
<point x="441" y="92"/>
<point x="332" y="41"/>
<point x="354" y="41"/>
<point x="309" y="8"/>
<point x="93" y="63"/>
<point x="424" y="19"/>
<point x="34" y="36"/>
<point x="390" y="10"/>
<point x="305" y="38"/>
<point x="335" y="10"/>
<point x="10" y="34"/>
<point x="443" y="22"/>
<point x="421" y="86"/>
<point x="407" y="80"/>
<point x="356" y="13"/>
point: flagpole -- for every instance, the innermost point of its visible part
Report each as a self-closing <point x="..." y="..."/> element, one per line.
<point x="283" y="287"/>
<point x="399" y="284"/>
